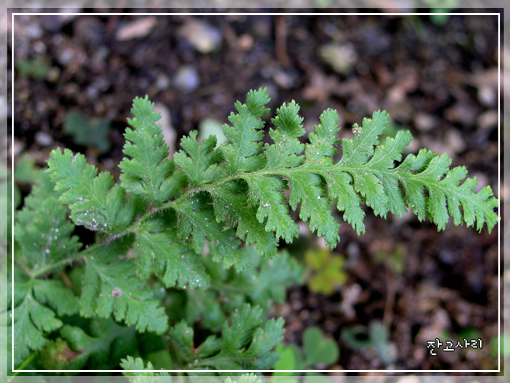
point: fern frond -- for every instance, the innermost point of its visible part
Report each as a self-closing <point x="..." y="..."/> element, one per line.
<point x="148" y="173"/>
<point x="36" y="304"/>
<point x="56" y="295"/>
<point x="245" y="133"/>
<point x="94" y="200"/>
<point x="111" y="286"/>
<point x="131" y="363"/>
<point x="103" y="345"/>
<point x="262" y="284"/>
<point x="267" y="282"/>
<point x="42" y="231"/>
<point x="32" y="321"/>
<point x="242" y="184"/>
<point x="160" y="250"/>
<point x="187" y="221"/>
<point x="197" y="161"/>
<point x="246" y="343"/>
<point x="285" y="137"/>
<point x="44" y="241"/>
<point x="365" y="173"/>
<point x="444" y="189"/>
<point x="197" y="224"/>
<point x="231" y="204"/>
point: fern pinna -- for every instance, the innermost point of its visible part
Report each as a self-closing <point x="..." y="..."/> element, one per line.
<point x="186" y="221"/>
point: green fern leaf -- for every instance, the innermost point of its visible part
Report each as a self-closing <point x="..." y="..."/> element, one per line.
<point x="56" y="295"/>
<point x="262" y="284"/>
<point x="131" y="363"/>
<point x="245" y="133"/>
<point x="94" y="200"/>
<point x="268" y="281"/>
<point x="321" y="148"/>
<point x="161" y="250"/>
<point x="111" y="286"/>
<point x="198" y="162"/>
<point x="148" y="173"/>
<point x="42" y="231"/>
<point x="444" y="188"/>
<point x="197" y="220"/>
<point x="44" y="238"/>
<point x="375" y="178"/>
<point x="199" y="167"/>
<point x="33" y="319"/>
<point x="231" y="203"/>
<point x="285" y="151"/>
<point x="246" y="343"/>
<point x="371" y="179"/>
<point x="247" y="188"/>
<point x="267" y="193"/>
<point x="103" y="346"/>
<point x="205" y="307"/>
<point x="359" y="150"/>
<point x="366" y="170"/>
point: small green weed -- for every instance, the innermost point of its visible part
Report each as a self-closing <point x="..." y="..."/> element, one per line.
<point x="326" y="271"/>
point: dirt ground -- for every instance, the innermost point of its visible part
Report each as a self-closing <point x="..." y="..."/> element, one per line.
<point x="438" y="81"/>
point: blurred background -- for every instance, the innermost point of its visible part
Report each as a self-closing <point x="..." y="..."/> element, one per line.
<point x="378" y="298"/>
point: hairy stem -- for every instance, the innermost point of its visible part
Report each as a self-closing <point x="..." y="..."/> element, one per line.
<point x="25" y="363"/>
<point x="61" y="262"/>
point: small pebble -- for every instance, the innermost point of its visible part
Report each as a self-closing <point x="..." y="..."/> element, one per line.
<point x="53" y="74"/>
<point x="39" y="47"/>
<point x="43" y="139"/>
<point x="65" y="56"/>
<point x="409" y="379"/>
<point x="454" y="141"/>
<point x="487" y="95"/>
<point x="340" y="57"/>
<point x="245" y="42"/>
<point x="424" y="122"/>
<point x="285" y="79"/>
<point x="186" y="79"/>
<point x="162" y="81"/>
<point x="203" y="37"/>
<point x="487" y="120"/>
<point x="136" y="29"/>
